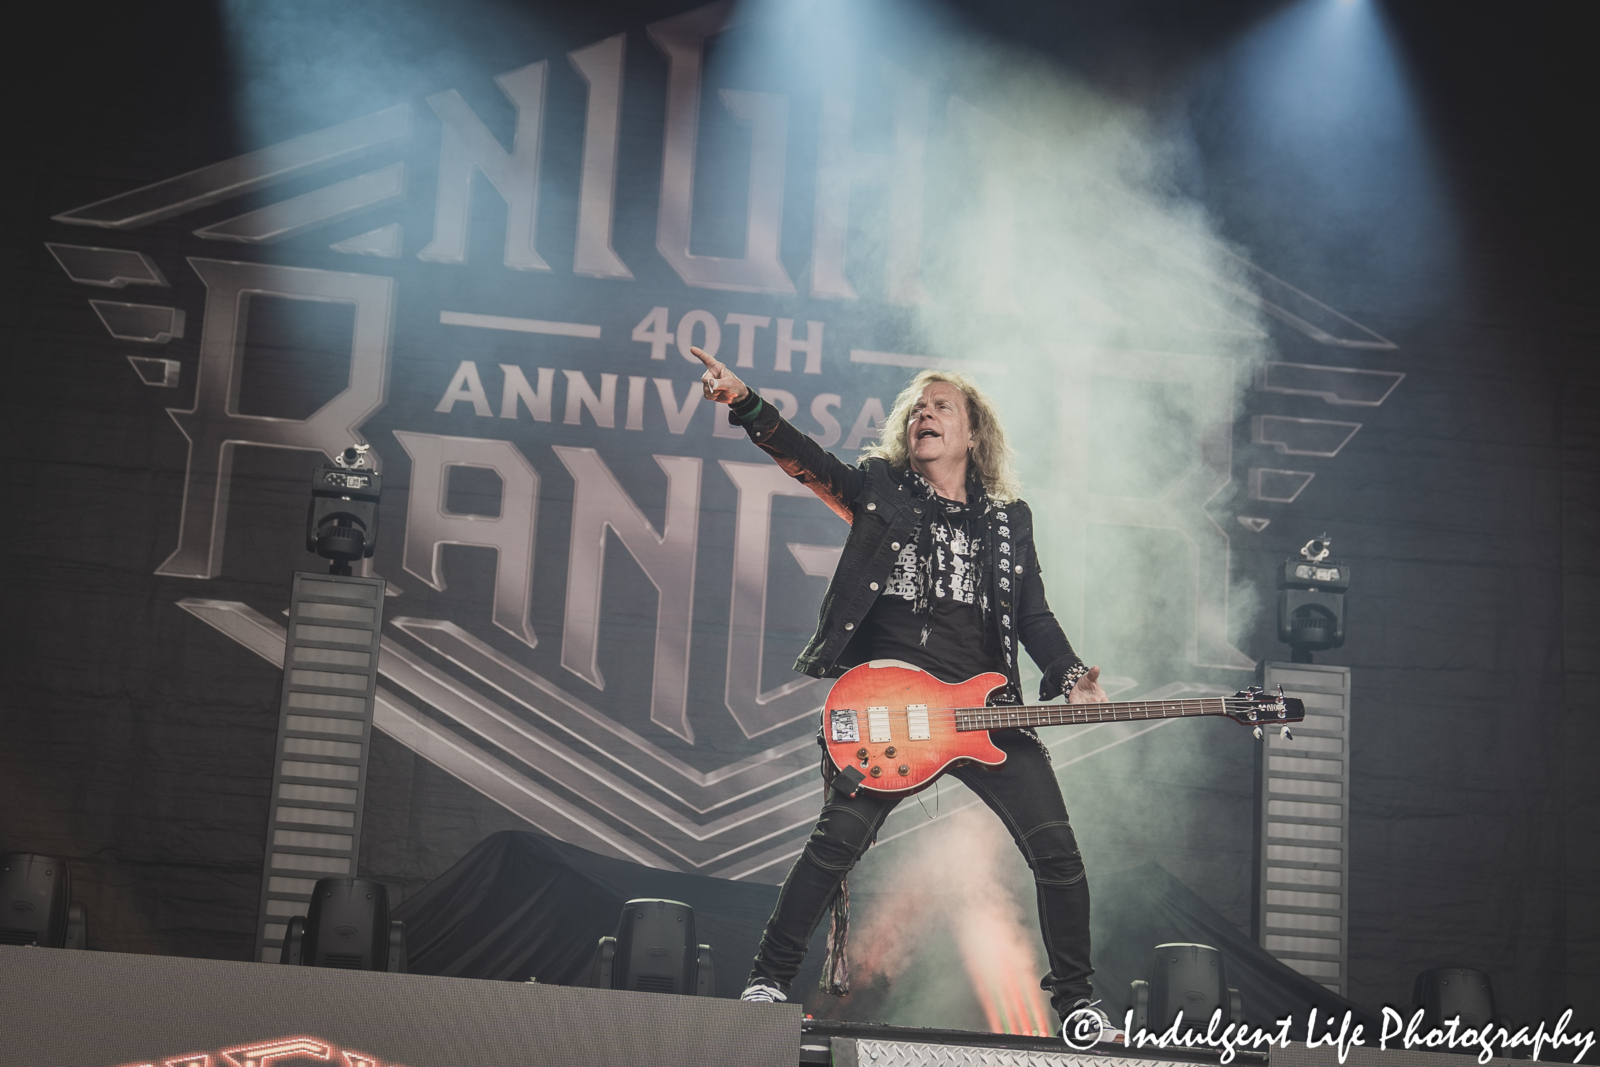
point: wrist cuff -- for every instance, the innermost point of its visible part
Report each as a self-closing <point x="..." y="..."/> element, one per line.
<point x="746" y="408"/>
<point x="1060" y="679"/>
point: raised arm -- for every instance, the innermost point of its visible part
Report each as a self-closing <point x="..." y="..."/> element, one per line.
<point x="834" y="481"/>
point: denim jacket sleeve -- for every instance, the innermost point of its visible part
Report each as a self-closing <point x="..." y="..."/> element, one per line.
<point x="1041" y="635"/>
<point x="874" y="543"/>
<point x="835" y="482"/>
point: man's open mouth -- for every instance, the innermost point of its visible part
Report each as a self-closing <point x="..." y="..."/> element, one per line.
<point x="927" y="433"/>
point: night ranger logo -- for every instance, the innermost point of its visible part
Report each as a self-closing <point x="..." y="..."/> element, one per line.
<point x="543" y="743"/>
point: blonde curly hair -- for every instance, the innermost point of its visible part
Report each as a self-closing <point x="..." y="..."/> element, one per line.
<point x="991" y="455"/>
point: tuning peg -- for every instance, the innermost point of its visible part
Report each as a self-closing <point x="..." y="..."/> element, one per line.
<point x="1283" y="732"/>
<point x="1255" y="731"/>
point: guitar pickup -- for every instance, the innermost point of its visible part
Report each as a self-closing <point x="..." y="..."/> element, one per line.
<point x="842" y="725"/>
<point x="878" y="725"/>
<point x="917" y="722"/>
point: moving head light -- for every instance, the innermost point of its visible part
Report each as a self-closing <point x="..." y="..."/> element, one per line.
<point x="342" y="525"/>
<point x="1311" y="593"/>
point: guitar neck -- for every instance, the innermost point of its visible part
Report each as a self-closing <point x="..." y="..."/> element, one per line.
<point x="1000" y="718"/>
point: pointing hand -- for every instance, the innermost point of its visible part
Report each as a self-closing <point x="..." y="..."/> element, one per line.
<point x="720" y="383"/>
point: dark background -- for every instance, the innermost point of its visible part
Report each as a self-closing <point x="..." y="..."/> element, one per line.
<point x="140" y="749"/>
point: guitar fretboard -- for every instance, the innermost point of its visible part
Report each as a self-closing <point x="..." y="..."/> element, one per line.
<point x="1075" y="714"/>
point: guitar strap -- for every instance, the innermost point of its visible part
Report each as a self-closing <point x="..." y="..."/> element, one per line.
<point x="836" y="969"/>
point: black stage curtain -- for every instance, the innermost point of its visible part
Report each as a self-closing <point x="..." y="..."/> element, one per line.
<point x="1145" y="906"/>
<point x="521" y="905"/>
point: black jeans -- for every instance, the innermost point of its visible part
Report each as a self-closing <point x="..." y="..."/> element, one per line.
<point x="1023" y="792"/>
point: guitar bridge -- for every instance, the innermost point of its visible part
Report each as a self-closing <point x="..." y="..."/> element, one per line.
<point x="842" y="725"/>
<point x="917" y="722"/>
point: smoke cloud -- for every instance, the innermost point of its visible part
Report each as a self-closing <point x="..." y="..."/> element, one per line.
<point x="948" y="945"/>
<point x="1111" y="320"/>
<point x="1064" y="265"/>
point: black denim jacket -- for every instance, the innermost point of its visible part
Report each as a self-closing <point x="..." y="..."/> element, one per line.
<point x="884" y="514"/>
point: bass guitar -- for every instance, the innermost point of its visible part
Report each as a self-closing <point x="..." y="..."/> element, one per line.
<point x="893" y="728"/>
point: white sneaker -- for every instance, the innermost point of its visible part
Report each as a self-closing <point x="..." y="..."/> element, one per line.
<point x="762" y="993"/>
<point x="1087" y="1024"/>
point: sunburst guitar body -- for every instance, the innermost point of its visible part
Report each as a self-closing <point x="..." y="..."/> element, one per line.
<point x="892" y="728"/>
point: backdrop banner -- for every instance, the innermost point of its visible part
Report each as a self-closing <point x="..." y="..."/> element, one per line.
<point x="241" y="237"/>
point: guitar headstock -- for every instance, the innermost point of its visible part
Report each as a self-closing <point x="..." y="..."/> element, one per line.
<point x="1256" y="707"/>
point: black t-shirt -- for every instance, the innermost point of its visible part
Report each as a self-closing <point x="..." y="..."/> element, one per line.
<point x="950" y="641"/>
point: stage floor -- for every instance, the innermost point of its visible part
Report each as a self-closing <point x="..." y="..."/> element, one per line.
<point x="882" y="1045"/>
<point x="61" y="1008"/>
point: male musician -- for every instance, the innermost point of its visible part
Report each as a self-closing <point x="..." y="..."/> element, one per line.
<point x="939" y="571"/>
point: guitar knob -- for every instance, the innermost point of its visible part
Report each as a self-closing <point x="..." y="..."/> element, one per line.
<point x="876" y="772"/>
<point x="1255" y="731"/>
<point x="1283" y="732"/>
<point x="889" y="751"/>
<point x="904" y="770"/>
<point x="861" y="754"/>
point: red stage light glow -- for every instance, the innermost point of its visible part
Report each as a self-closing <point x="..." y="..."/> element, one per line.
<point x="278" y="1052"/>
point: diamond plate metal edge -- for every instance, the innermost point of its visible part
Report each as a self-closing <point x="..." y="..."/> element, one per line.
<point x="869" y="1053"/>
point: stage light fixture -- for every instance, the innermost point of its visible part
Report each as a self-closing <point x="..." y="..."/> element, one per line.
<point x="1445" y="993"/>
<point x="36" y="905"/>
<point x="654" y="951"/>
<point x="342" y="525"/>
<point x="346" y="926"/>
<point x="1311" y="593"/>
<point x="1185" y="979"/>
